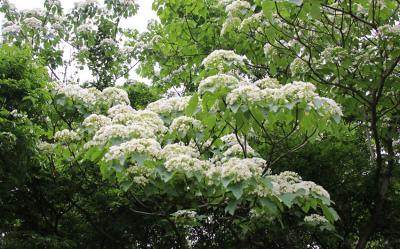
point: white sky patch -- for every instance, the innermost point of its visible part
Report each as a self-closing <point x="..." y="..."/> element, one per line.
<point x="139" y="22"/>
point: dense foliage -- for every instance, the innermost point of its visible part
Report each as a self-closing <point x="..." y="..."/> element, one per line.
<point x="243" y="95"/>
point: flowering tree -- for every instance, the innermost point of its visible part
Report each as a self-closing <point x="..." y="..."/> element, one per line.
<point x="199" y="160"/>
<point x="259" y="81"/>
<point x="348" y="48"/>
<point x="89" y="36"/>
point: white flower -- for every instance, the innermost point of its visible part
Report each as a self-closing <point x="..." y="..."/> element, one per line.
<point x="328" y="105"/>
<point x="150" y="120"/>
<point x="252" y="21"/>
<point x="66" y="136"/>
<point x="108" y="132"/>
<point x="237" y="8"/>
<point x="120" y="109"/>
<point x="244" y="92"/>
<point x="34" y="12"/>
<point x="185" y="164"/>
<point x="299" y="66"/>
<point x="11" y="29"/>
<point x="144" y="146"/>
<point x="217" y="82"/>
<point x="185" y="213"/>
<point x="88" y="96"/>
<point x="86" y="3"/>
<point x="96" y="121"/>
<point x="115" y="96"/>
<point x="315" y="219"/>
<point x="172" y="150"/>
<point x="33" y="22"/>
<point x="184" y="124"/>
<point x="238" y="169"/>
<point x="108" y="42"/>
<point x="85" y="28"/>
<point x="169" y="105"/>
<point x="219" y="58"/>
<point x="267" y="83"/>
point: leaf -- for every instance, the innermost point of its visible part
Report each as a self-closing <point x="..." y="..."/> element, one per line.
<point x="192" y="105"/>
<point x="330" y="214"/>
<point x="288" y="198"/>
<point x="272" y="208"/>
<point x="237" y="189"/>
<point x="125" y="185"/>
<point x="231" y="207"/>
<point x="164" y="174"/>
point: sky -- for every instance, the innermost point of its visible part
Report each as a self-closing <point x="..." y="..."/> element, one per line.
<point x="139" y="21"/>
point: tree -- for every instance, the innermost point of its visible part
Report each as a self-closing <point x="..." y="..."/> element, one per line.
<point x="329" y="43"/>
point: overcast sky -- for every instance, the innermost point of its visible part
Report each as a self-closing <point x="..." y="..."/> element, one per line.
<point x="139" y="21"/>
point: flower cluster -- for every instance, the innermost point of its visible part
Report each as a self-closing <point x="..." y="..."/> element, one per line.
<point x="184" y="124"/>
<point x="238" y="169"/>
<point x="315" y="219"/>
<point x="33" y="22"/>
<point x="169" y="105"/>
<point x="216" y="82"/>
<point x="11" y="29"/>
<point x="96" y="121"/>
<point x="237" y="8"/>
<point x="185" y="164"/>
<point x="142" y="146"/>
<point x="219" y="58"/>
<point x="116" y="96"/>
<point x="172" y="150"/>
<point x="66" y="136"/>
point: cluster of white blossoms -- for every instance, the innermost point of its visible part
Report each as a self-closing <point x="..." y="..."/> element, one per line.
<point x="169" y="105"/>
<point x="332" y="55"/>
<point x="96" y="121"/>
<point x="120" y="109"/>
<point x="328" y="105"/>
<point x="184" y="124"/>
<point x="219" y="58"/>
<point x="252" y="21"/>
<point x="116" y="96"/>
<point x="11" y="29"/>
<point x="85" y="28"/>
<point x="86" y="3"/>
<point x="217" y="82"/>
<point x="142" y="146"/>
<point x="33" y="23"/>
<point x="186" y="164"/>
<point x="290" y="182"/>
<point x="244" y="92"/>
<point x="185" y="213"/>
<point x="299" y="66"/>
<point x="172" y="150"/>
<point x="237" y="169"/>
<point x="237" y="8"/>
<point x="267" y="83"/>
<point x="77" y="93"/>
<point x="315" y="219"/>
<point x="66" y="136"/>
<point x="36" y="12"/>
<point x="237" y="151"/>
<point x="106" y="133"/>
<point x="108" y="43"/>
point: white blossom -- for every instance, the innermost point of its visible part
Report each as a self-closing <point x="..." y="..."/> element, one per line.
<point x="96" y="121"/>
<point x="217" y="82"/>
<point x="219" y="58"/>
<point x="11" y="29"/>
<point x="144" y="146"/>
<point x="185" y="164"/>
<point x="66" y="136"/>
<point x="115" y="96"/>
<point x="172" y="150"/>
<point x="33" y="22"/>
<point x="169" y="105"/>
<point x="184" y="124"/>
<point x="315" y="219"/>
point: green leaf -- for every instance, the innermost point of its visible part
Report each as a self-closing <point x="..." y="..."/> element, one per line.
<point x="330" y="214"/>
<point x="125" y="185"/>
<point x="164" y="174"/>
<point x="288" y="198"/>
<point x="192" y="105"/>
<point x="231" y="207"/>
<point x="237" y="189"/>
